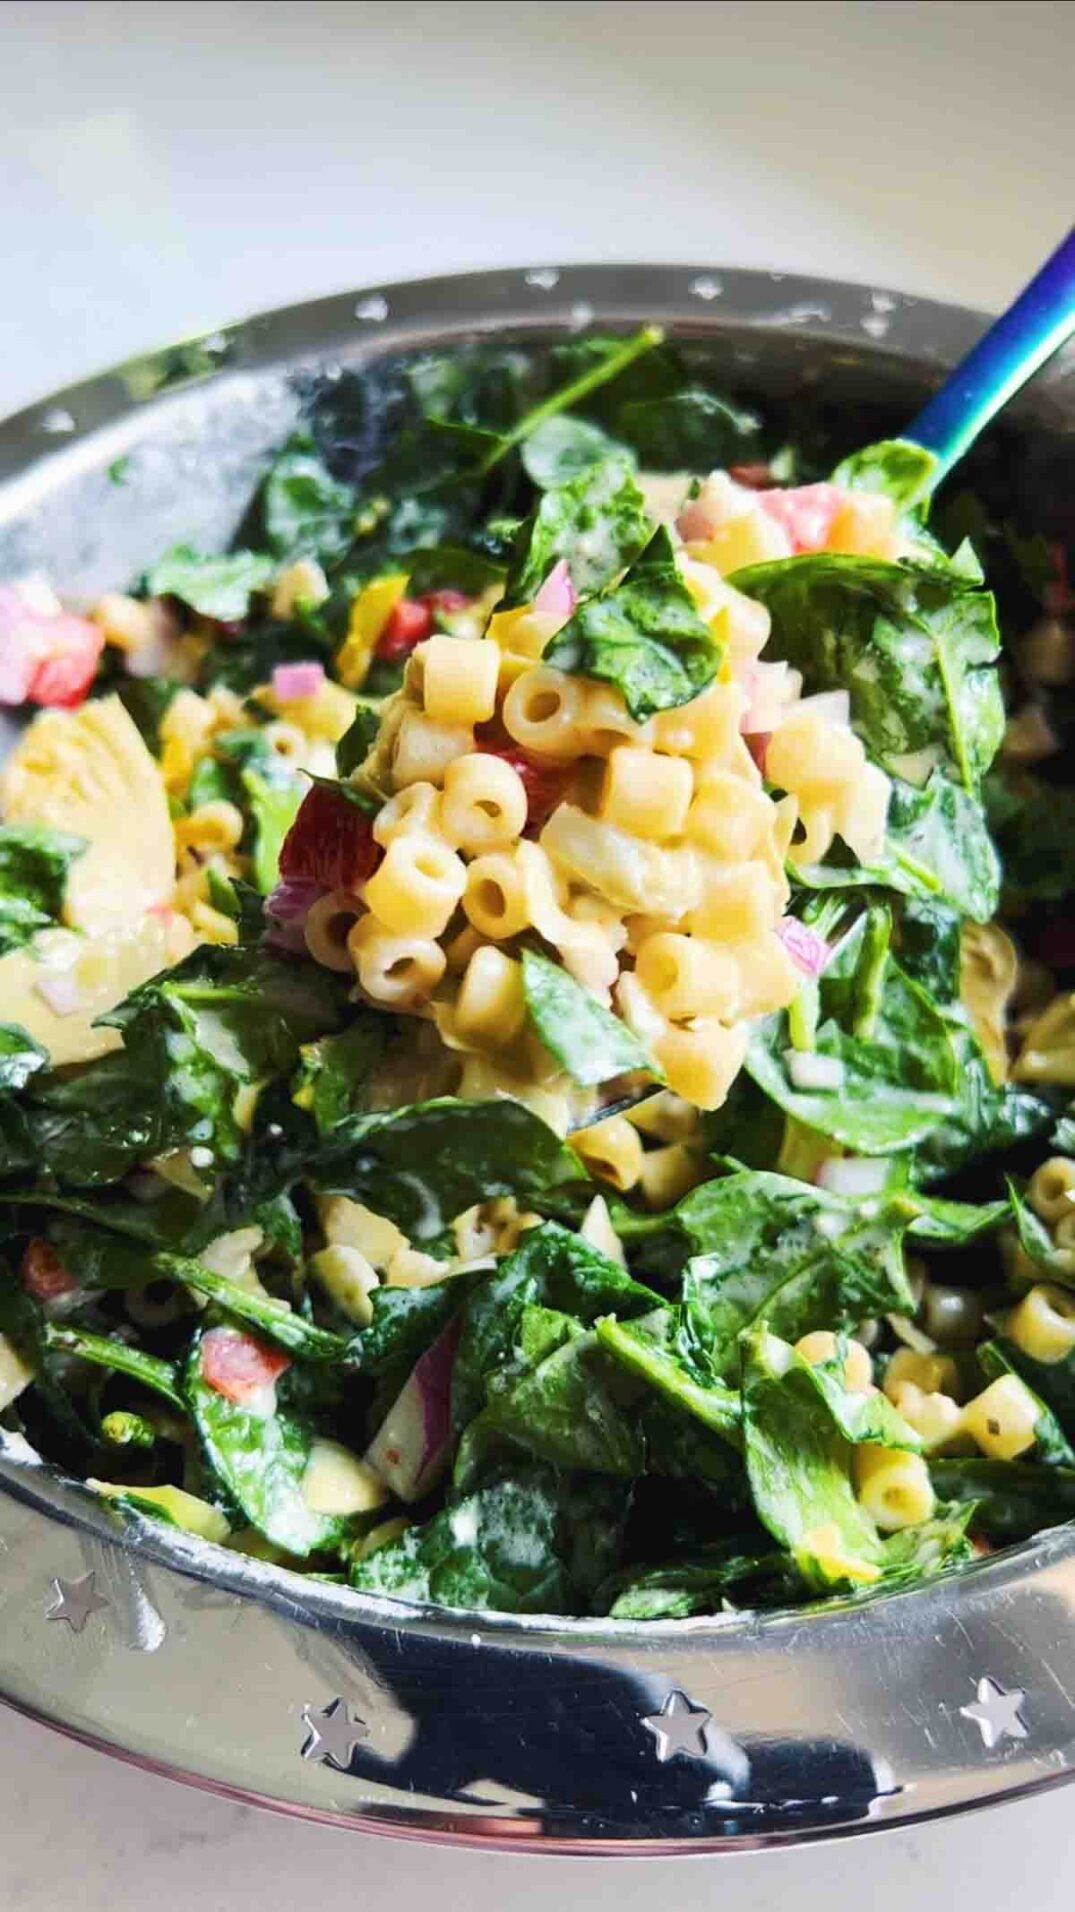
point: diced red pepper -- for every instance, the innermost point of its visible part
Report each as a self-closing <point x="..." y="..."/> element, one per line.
<point x="409" y="621"/>
<point x="448" y="601"/>
<point x="754" y="477"/>
<point x="758" y="745"/>
<point x="47" y="654"/>
<point x="543" y="781"/>
<point x="43" y="1273"/>
<point x="330" y="842"/>
<point x="806" y="513"/>
<point x="239" y="1366"/>
<point x="64" y="677"/>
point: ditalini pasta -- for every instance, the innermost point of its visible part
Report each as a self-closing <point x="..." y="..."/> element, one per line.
<point x="514" y="1086"/>
<point x="663" y="858"/>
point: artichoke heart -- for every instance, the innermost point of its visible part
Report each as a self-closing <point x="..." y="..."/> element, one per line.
<point x="57" y="986"/>
<point x="88" y="771"/>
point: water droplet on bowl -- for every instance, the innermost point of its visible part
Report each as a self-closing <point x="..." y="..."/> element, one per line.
<point x="706" y="287"/>
<point x="543" y="277"/>
<point x="217" y="344"/>
<point x="882" y="302"/>
<point x="582" y="314"/>
<point x="374" y="309"/>
<point x="58" y="420"/>
<point x="876" y="324"/>
<point x="800" y="314"/>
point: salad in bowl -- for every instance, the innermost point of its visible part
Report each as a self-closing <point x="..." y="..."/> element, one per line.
<point x="535" y="1031"/>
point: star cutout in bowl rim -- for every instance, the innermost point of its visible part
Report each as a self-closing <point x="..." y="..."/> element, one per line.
<point x="334" y="1732"/>
<point x="996" y="1713"/>
<point x="679" y="1727"/>
<point x="76" y="1600"/>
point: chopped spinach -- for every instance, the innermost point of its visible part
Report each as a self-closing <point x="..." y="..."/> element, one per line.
<point x="215" y="587"/>
<point x="891" y="1067"/>
<point x="259" y="1460"/>
<point x="914" y="646"/>
<point x="798" y="1462"/>
<point x="34" y="862"/>
<point x="305" y="512"/>
<point x="777" y="1251"/>
<point x="534" y="1543"/>
<point x="644" y="636"/>
<point x="585" y="1038"/>
<point x="596" y="522"/>
<point x="553" y="1268"/>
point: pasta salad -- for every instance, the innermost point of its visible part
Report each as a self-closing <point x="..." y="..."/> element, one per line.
<point x="536" y="1033"/>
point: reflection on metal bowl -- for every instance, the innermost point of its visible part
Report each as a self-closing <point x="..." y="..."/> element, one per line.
<point x="552" y="1735"/>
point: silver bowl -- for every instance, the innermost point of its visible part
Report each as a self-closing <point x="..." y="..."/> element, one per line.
<point x="536" y="1733"/>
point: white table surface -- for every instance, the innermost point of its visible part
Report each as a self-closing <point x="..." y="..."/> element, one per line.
<point x="166" y="167"/>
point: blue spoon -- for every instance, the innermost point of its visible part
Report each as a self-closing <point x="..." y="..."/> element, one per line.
<point x="1013" y="349"/>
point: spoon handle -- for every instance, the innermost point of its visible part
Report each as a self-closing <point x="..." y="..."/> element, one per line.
<point x="1013" y="349"/>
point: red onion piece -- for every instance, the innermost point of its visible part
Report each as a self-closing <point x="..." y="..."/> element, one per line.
<point x="557" y="596"/>
<point x="297" y="680"/>
<point x="286" y="909"/>
<point x="809" y="951"/>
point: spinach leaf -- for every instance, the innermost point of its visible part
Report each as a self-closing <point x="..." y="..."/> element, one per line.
<point x="938" y="844"/>
<point x="333" y="1081"/>
<point x="259" y="1461"/>
<point x="20" y="1058"/>
<point x="223" y="1019"/>
<point x="274" y="1320"/>
<point x="146" y="699"/>
<point x="456" y="567"/>
<point x="782" y="1252"/>
<point x="216" y="587"/>
<point x="988" y="1117"/>
<point x="268" y="790"/>
<point x="936" y="1546"/>
<point x="798" y="1464"/>
<point x="406" y="1321"/>
<point x="584" y="1037"/>
<point x="357" y="741"/>
<point x="304" y="510"/>
<point x="1036" y="1241"/>
<point x="646" y="1348"/>
<point x="1034" y="826"/>
<point x="558" y="450"/>
<point x="861" y="1417"/>
<point x="597" y="522"/>
<point x="552" y="1268"/>
<point x="889" y="1049"/>
<point x="937" y="847"/>
<point x="562" y="1400"/>
<point x="724" y="1575"/>
<point x="950" y="1224"/>
<point x="535" y="1543"/>
<point x="274" y="798"/>
<point x="914" y="646"/>
<point x="34" y="862"/>
<point x="997" y="1359"/>
<point x="894" y="466"/>
<point x="1011" y="1499"/>
<point x="689" y="430"/>
<point x="1052" y="1381"/>
<point x="119" y="1358"/>
<point x="422" y="1166"/>
<point x="89" y="1123"/>
<point x="644" y="636"/>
